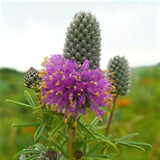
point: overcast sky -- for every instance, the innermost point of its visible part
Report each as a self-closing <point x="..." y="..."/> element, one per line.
<point x="35" y="29"/>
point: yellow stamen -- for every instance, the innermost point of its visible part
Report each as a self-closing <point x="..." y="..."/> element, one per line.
<point x="57" y="83"/>
<point x="51" y="91"/>
<point x="82" y="89"/>
<point x="79" y="65"/>
<point x="64" y="65"/>
<point x="52" y="108"/>
<point x="92" y="100"/>
<point x="95" y="83"/>
<point x="113" y="95"/>
<point x="75" y="124"/>
<point x="47" y="93"/>
<point x="106" y="93"/>
<point x="113" y="87"/>
<point x="97" y="94"/>
<point x="86" y="116"/>
<point x="65" y="120"/>
<point x="44" y="86"/>
<point x="100" y="118"/>
<point x="50" y="77"/>
<point x="38" y="94"/>
<point x="79" y="94"/>
<point x="89" y="70"/>
<point x="83" y="102"/>
<point x="106" y="70"/>
<point x="75" y="87"/>
<point x="63" y="77"/>
<point x="69" y="114"/>
<point x="55" y="73"/>
<point x="51" y="64"/>
<point x="45" y="61"/>
<point x="40" y="106"/>
<point x="111" y="73"/>
<point x="56" y="105"/>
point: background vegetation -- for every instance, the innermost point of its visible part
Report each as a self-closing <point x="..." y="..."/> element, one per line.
<point x="137" y="112"/>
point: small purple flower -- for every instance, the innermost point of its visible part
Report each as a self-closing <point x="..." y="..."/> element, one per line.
<point x="71" y="88"/>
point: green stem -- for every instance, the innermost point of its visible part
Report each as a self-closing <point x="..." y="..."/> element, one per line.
<point x="72" y="132"/>
<point x="110" y="116"/>
<point x="109" y="121"/>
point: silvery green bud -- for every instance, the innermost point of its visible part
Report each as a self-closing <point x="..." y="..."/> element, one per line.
<point x="83" y="39"/>
<point x="121" y="74"/>
<point x="31" y="78"/>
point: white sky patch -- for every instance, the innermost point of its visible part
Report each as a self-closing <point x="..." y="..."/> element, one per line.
<point x="33" y="30"/>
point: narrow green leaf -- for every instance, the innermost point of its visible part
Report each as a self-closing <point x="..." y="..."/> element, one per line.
<point x="20" y="104"/>
<point x="63" y="134"/>
<point x="87" y="130"/>
<point x="95" y="156"/>
<point x="56" y="129"/>
<point x="128" y="136"/>
<point x="85" y="145"/>
<point x="56" y="145"/>
<point x="87" y="140"/>
<point x="32" y="157"/>
<point x="80" y="132"/>
<point x="106" y="140"/>
<point x="26" y="124"/>
<point x="38" y="132"/>
<point x="131" y="145"/>
<point x="27" y="151"/>
<point x="94" y="148"/>
<point x="40" y="146"/>
<point x="139" y="143"/>
<point x="64" y="142"/>
<point x="99" y="127"/>
<point x="94" y="122"/>
<point x="29" y="98"/>
<point x="47" y="112"/>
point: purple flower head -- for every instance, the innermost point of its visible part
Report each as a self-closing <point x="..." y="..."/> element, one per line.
<point x="71" y="88"/>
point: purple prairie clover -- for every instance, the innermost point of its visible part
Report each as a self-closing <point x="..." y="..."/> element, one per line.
<point x="71" y="88"/>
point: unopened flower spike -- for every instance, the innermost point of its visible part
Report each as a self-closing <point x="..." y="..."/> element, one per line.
<point x="120" y="75"/>
<point x="83" y="39"/>
<point x="31" y="78"/>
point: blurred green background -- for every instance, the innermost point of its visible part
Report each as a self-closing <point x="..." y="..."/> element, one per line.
<point x="138" y="112"/>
